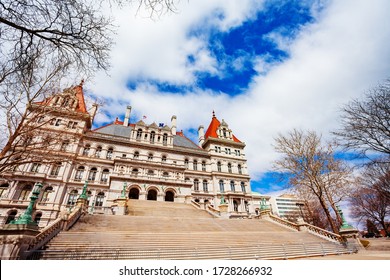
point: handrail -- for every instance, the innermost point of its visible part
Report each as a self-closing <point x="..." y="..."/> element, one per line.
<point x="213" y="211"/>
<point x="284" y="222"/>
<point x="72" y="218"/>
<point x="324" y="233"/>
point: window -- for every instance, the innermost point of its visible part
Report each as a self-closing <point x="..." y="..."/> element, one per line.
<point x="109" y="153"/>
<point x="72" y="125"/>
<point x="165" y="139"/>
<point x="86" y="150"/>
<point x="3" y="188"/>
<point x="92" y="174"/>
<point x="98" y="152"/>
<point x="40" y="119"/>
<point x="139" y="134"/>
<point x="55" y="169"/>
<point x="205" y="187"/>
<point x="152" y="136"/>
<point x="64" y="146"/>
<point x="243" y="187"/>
<point x="25" y="192"/>
<point x="224" y="132"/>
<point x="150" y="172"/>
<point x="136" y="155"/>
<point x="229" y="167"/>
<point x="195" y="164"/>
<point x="186" y="180"/>
<point x="72" y="197"/>
<point x="11" y="216"/>
<point x="104" y="178"/>
<point x="35" y="167"/>
<point x="227" y="151"/>
<point x="45" y="195"/>
<point x="196" y="185"/>
<point x="99" y="199"/>
<point x="89" y="194"/>
<point x="79" y="173"/>
<point x="165" y="174"/>
<point x="221" y="186"/>
<point x="163" y="158"/>
<point x="232" y="188"/>
<point x="219" y="166"/>
<point x="57" y="122"/>
<point x="217" y="149"/>
<point x="203" y="166"/>
<point x="150" y="157"/>
<point x="239" y="169"/>
<point x="237" y="152"/>
<point x="186" y="163"/>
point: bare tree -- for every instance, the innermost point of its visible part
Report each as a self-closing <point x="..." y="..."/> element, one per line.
<point x="366" y="123"/>
<point x="312" y="168"/>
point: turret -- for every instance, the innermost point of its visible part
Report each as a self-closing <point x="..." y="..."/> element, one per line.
<point x="201" y="135"/>
<point x="173" y="125"/>
<point x="127" y="116"/>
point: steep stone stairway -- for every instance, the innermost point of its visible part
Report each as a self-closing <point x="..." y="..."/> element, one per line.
<point x="167" y="230"/>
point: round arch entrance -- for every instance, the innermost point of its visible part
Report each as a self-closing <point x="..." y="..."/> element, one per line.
<point x="169" y="196"/>
<point x="152" y="195"/>
<point x="134" y="193"/>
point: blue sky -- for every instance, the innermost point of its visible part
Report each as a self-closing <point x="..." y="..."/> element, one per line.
<point x="265" y="67"/>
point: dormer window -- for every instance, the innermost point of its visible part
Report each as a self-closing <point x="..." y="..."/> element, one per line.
<point x="224" y="132"/>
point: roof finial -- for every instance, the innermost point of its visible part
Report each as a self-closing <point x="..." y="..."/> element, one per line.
<point x="213" y="114"/>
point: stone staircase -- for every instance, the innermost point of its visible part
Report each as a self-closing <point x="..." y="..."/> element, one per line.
<point x="168" y="230"/>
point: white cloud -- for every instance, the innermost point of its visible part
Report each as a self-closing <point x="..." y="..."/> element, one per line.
<point x="333" y="60"/>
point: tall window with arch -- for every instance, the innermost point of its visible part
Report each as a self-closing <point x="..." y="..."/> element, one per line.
<point x="232" y="187"/>
<point x="104" y="178"/>
<point x="45" y="195"/>
<point x="164" y="158"/>
<point x="219" y="166"/>
<point x="110" y="151"/>
<point x="221" y="186"/>
<point x="203" y="166"/>
<point x="99" y="199"/>
<point x="243" y="187"/>
<point x="205" y="186"/>
<point x="79" y="173"/>
<point x="139" y="134"/>
<point x="152" y="136"/>
<point x="186" y="163"/>
<point x="229" y="167"/>
<point x="98" y="152"/>
<point x="55" y="170"/>
<point x="165" y="139"/>
<point x="196" y="185"/>
<point x="239" y="169"/>
<point x="24" y="194"/>
<point x="11" y="216"/>
<point x="72" y="197"/>
<point x="86" y="150"/>
<point x="195" y="164"/>
<point x="3" y="189"/>
<point x="92" y="174"/>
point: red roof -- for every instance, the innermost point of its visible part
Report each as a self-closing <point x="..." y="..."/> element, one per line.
<point x="212" y="129"/>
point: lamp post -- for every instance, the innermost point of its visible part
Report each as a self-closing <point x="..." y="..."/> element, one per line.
<point x="26" y="218"/>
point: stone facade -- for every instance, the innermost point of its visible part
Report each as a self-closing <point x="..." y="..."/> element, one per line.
<point x="153" y="161"/>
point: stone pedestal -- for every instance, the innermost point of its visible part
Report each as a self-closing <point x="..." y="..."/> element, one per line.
<point x="223" y="209"/>
<point x="350" y="235"/>
<point x="15" y="239"/>
<point x="302" y="226"/>
<point x="121" y="206"/>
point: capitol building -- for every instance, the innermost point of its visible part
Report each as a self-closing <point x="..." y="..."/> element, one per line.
<point x="146" y="161"/>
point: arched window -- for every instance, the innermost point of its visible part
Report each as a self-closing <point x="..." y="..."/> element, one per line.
<point x="3" y="189"/>
<point x="98" y="151"/>
<point x="45" y="195"/>
<point x="165" y="174"/>
<point x="196" y="185"/>
<point x="72" y="197"/>
<point x="165" y="139"/>
<point x="150" y="172"/>
<point x="232" y="187"/>
<point x="134" y="172"/>
<point x="86" y="150"/>
<point x="219" y="166"/>
<point x="64" y="146"/>
<point x="104" y="178"/>
<point x="243" y="187"/>
<point x="186" y="180"/>
<point x="89" y="195"/>
<point x="136" y="155"/>
<point x="11" y="216"/>
<point x="224" y="132"/>
<point x="152" y="136"/>
<point x="24" y="194"/>
<point x="37" y="218"/>
<point x="79" y="173"/>
<point x="139" y="134"/>
<point x="92" y="174"/>
<point x="239" y="169"/>
<point x="221" y="186"/>
<point x="150" y="156"/>
<point x="205" y="186"/>
<point x="203" y="166"/>
<point x="109" y="153"/>
<point x="186" y="163"/>
<point x="164" y="158"/>
<point x="99" y="199"/>
<point x="195" y="164"/>
<point x="55" y="170"/>
<point x="229" y="167"/>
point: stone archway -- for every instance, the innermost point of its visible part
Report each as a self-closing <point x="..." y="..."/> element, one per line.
<point x="152" y="195"/>
<point x="169" y="196"/>
<point x="134" y="193"/>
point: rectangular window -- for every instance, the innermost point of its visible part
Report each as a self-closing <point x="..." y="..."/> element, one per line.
<point x="35" y="167"/>
<point x="55" y="170"/>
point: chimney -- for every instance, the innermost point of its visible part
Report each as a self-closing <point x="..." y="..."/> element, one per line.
<point x="93" y="111"/>
<point x="201" y="135"/>
<point x="173" y="122"/>
<point x="127" y="116"/>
